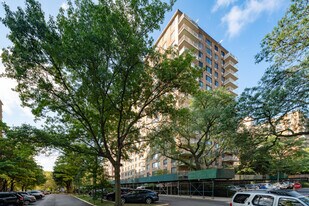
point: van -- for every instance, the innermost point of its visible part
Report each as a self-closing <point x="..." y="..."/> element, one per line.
<point x="269" y="198"/>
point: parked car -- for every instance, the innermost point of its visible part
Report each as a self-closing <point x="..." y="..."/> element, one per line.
<point x="37" y="194"/>
<point x="269" y="198"/>
<point x="11" y="198"/>
<point x="140" y="195"/>
<point x="111" y="196"/>
<point x="296" y="186"/>
<point x="27" y="197"/>
<point x="235" y="188"/>
<point x="265" y="186"/>
<point x="251" y="187"/>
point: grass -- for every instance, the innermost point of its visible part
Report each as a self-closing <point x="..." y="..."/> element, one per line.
<point x="98" y="202"/>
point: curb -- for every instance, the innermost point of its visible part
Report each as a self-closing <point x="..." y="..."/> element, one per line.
<point x="83" y="200"/>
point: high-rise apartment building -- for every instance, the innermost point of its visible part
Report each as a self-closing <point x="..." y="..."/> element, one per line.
<point x="219" y="71"/>
<point x="219" y="63"/>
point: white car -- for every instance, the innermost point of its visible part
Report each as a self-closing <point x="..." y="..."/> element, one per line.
<point x="269" y="198"/>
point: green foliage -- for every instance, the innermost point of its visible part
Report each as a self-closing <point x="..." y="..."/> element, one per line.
<point x="199" y="134"/>
<point x="277" y="110"/>
<point x="17" y="164"/>
<point x="93" y="73"/>
<point x="288" y="43"/>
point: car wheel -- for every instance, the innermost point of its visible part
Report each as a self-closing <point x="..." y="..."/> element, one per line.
<point x="123" y="201"/>
<point x="27" y="202"/>
<point x="148" y="200"/>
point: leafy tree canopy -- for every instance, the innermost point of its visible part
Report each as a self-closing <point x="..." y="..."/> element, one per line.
<point x="288" y="44"/>
<point x="93" y="72"/>
<point x="199" y="134"/>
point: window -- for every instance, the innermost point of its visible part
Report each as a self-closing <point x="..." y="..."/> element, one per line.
<point x="241" y="198"/>
<point x="216" y="65"/>
<point x="165" y="162"/>
<point x="216" y="57"/>
<point x="208" y="87"/>
<point x="216" y="48"/>
<point x="155" y="165"/>
<point x="147" y="167"/>
<point x="216" y="83"/>
<point x="173" y="170"/>
<point x="263" y="200"/>
<point x="155" y="156"/>
<point x="208" y="69"/>
<point x="200" y="64"/>
<point x="223" y="70"/>
<point x="222" y="62"/>
<point x="223" y="79"/>
<point x="208" y="42"/>
<point x="289" y="202"/>
<point x="201" y="85"/>
<point x="208" y="60"/>
<point x="222" y="53"/>
<point x="216" y="74"/>
<point x="200" y="45"/>
<point x="200" y="36"/>
<point x="200" y="54"/>
<point x="208" y="79"/>
<point x="208" y="50"/>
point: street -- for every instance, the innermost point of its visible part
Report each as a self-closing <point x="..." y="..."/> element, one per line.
<point x="59" y="200"/>
<point x="179" y="201"/>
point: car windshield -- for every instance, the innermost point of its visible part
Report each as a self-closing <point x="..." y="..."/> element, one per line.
<point x="305" y="200"/>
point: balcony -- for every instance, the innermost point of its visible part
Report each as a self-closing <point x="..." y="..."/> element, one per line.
<point x="184" y="19"/>
<point x="186" y="30"/>
<point x="230" y="74"/>
<point x="188" y="43"/>
<point x="230" y="66"/>
<point x="230" y="83"/>
<point x="230" y="57"/>
<point x="230" y="159"/>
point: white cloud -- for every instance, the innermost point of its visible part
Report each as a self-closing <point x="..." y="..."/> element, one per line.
<point x="222" y="3"/>
<point x="240" y="16"/>
<point x="64" y="6"/>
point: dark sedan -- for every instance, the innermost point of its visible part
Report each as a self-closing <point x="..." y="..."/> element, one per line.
<point x="37" y="194"/>
<point x="147" y="196"/>
<point x="111" y="196"/>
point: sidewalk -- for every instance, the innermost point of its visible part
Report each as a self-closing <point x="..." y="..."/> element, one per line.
<point x="221" y="199"/>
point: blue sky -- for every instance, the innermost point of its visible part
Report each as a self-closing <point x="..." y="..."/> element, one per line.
<point x="240" y="24"/>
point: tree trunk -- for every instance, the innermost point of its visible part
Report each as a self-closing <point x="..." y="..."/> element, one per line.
<point x="94" y="175"/>
<point x="117" y="184"/>
<point x="12" y="185"/>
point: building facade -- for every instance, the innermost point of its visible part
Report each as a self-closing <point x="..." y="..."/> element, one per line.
<point x="219" y="71"/>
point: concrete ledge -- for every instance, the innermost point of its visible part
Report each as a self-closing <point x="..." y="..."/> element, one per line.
<point x="83" y="200"/>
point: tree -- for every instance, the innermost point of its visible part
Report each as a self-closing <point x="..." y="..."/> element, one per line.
<point x="279" y="105"/>
<point x="17" y="163"/>
<point x="259" y="154"/>
<point x="287" y="45"/>
<point x="199" y="134"/>
<point x="93" y="72"/>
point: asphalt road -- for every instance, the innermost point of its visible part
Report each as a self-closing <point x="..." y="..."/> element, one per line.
<point x="178" y="201"/>
<point x="59" y="200"/>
